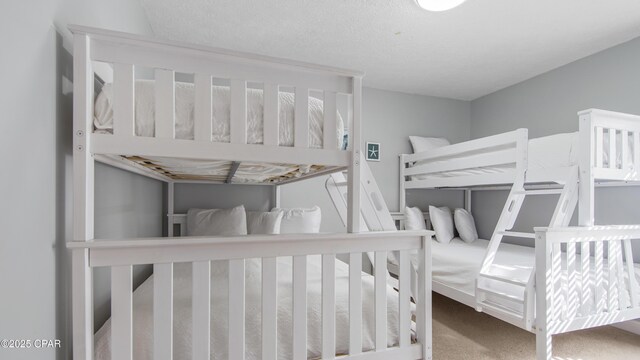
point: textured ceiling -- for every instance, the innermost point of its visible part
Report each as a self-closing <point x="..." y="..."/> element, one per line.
<point x="473" y="50"/>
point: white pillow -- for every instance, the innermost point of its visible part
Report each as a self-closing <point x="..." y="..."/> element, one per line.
<point x="263" y="222"/>
<point x="300" y="221"/>
<point x="212" y="222"/>
<point x="465" y="225"/>
<point x="414" y="219"/>
<point x="442" y="222"/>
<point x="420" y="144"/>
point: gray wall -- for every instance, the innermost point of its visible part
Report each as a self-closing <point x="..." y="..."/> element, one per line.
<point x="389" y="118"/>
<point x="35" y="150"/>
<point x="547" y="104"/>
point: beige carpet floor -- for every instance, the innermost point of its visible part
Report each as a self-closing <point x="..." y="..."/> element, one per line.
<point x="461" y="333"/>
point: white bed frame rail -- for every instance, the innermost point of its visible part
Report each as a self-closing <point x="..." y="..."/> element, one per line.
<point x="591" y="287"/>
<point x="121" y="255"/>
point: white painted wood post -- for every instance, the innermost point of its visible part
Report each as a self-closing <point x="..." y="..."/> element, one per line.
<point x="170" y="208"/>
<point x="380" y="272"/>
<point x="301" y="118"/>
<point x="423" y="306"/>
<point x="201" y="310"/>
<point x="163" y="311"/>
<point x="123" y="100"/>
<point x="300" y="307"/>
<point x="544" y="297"/>
<point x="271" y="110"/>
<point x="165" y="89"/>
<point x="236" y="309"/>
<point x="586" y="141"/>
<point x="238" y="125"/>
<point x="328" y="306"/>
<point x="122" y="312"/>
<point x="202" y="108"/>
<point x="353" y="181"/>
<point x="355" y="303"/>
<point x="330" y="108"/>
<point x="404" y="298"/>
<point x="269" y="309"/>
<point x="83" y="198"/>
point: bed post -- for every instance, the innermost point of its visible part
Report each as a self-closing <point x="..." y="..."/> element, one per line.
<point x="353" y="213"/>
<point x="170" y="207"/>
<point x="83" y="196"/>
<point x="544" y="296"/>
<point x="586" y="193"/>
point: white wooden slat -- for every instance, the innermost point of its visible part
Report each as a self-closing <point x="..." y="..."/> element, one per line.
<point x="330" y="111"/>
<point x="424" y="320"/>
<point x="236" y="309"/>
<point x="163" y="311"/>
<point x="165" y="90"/>
<point x="201" y="309"/>
<point x="202" y="127"/>
<point x="238" y="126"/>
<point x="599" y="276"/>
<point x="622" y="300"/>
<point x="355" y="176"/>
<point x="300" y="307"/>
<point x="355" y="303"/>
<point x="380" y="272"/>
<point x="269" y="309"/>
<point x="123" y="100"/>
<point x="122" y="312"/>
<point x="585" y="271"/>
<point x="328" y="306"/>
<point x="633" y="286"/>
<point x="612" y="266"/>
<point x="613" y="155"/>
<point x="636" y="150"/>
<point x="301" y="118"/>
<point x="572" y="279"/>
<point x="271" y="109"/>
<point x="559" y="306"/>
<point x="625" y="150"/>
<point x="599" y="146"/>
<point x="404" y="299"/>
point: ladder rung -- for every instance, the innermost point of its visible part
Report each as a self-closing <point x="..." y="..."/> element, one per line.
<point x="341" y="183"/>
<point x="518" y="234"/>
<point x="540" y="192"/>
<point x="503" y="278"/>
<point x="500" y="308"/>
<point x="502" y="295"/>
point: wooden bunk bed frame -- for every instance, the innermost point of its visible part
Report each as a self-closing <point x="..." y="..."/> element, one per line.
<point x="125" y="52"/>
<point x="550" y="304"/>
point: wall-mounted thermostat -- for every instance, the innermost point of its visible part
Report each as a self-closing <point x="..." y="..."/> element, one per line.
<point x="373" y="151"/>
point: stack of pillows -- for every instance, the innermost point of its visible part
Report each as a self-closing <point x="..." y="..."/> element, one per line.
<point x="238" y="221"/>
<point x="442" y="221"/>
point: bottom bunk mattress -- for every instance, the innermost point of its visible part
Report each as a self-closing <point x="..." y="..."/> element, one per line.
<point x="143" y="312"/>
<point x="457" y="264"/>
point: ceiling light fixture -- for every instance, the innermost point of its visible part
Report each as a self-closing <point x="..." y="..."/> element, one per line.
<point x="439" y="5"/>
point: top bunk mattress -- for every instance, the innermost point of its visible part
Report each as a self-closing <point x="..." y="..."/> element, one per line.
<point x="221" y="110"/>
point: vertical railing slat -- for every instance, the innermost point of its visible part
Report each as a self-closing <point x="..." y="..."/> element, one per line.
<point x="380" y="271"/>
<point x="163" y="311"/>
<point x="238" y="126"/>
<point x="121" y="312"/>
<point x="271" y="106"/>
<point x="202" y="127"/>
<point x="355" y="303"/>
<point x="636" y="150"/>
<point x="424" y="320"/>
<point x="123" y="100"/>
<point x="330" y="108"/>
<point x="622" y="300"/>
<point x="328" y="306"/>
<point x="236" y="309"/>
<point x="599" y="146"/>
<point x="633" y="286"/>
<point x="301" y="118"/>
<point x="613" y="154"/>
<point x="599" y="276"/>
<point x="585" y="290"/>
<point x="559" y="308"/>
<point x="612" y="266"/>
<point x="625" y="150"/>
<point x="201" y="310"/>
<point x="572" y="278"/>
<point x="404" y="298"/>
<point x="165" y="90"/>
<point x="269" y="309"/>
<point x="300" y="307"/>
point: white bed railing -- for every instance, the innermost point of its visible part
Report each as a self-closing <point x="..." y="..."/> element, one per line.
<point x="121" y="255"/>
<point x="609" y="150"/>
<point x="508" y="150"/>
<point x="585" y="277"/>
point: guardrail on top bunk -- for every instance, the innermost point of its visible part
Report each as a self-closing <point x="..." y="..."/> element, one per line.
<point x="579" y="284"/>
<point x="609" y="150"/>
<point x="126" y="52"/>
<point x="508" y="150"/>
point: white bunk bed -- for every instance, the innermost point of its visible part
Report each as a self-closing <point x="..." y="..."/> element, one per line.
<point x="157" y="148"/>
<point x="550" y="289"/>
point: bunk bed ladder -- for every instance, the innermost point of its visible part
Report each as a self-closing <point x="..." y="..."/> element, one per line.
<point x="508" y="292"/>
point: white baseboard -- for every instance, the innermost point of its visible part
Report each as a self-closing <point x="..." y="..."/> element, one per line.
<point x="632" y="326"/>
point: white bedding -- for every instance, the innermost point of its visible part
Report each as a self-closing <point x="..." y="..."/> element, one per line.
<point x="457" y="264"/>
<point x="184" y="110"/>
<point x="143" y="312"/>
